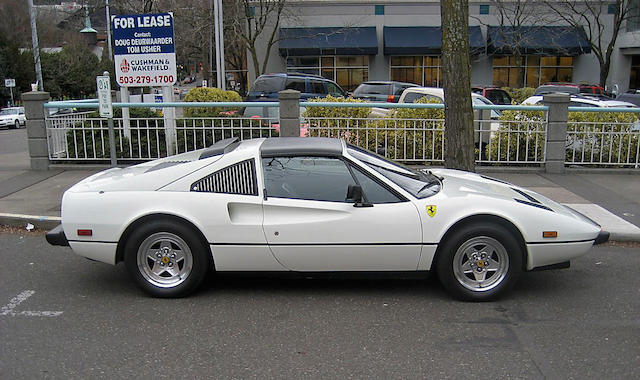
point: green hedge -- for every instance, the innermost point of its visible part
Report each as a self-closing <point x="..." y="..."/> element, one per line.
<point x="207" y="94"/>
<point x="602" y="137"/>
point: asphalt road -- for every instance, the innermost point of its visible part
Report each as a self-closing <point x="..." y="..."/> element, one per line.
<point x="73" y="318"/>
<point x="14" y="152"/>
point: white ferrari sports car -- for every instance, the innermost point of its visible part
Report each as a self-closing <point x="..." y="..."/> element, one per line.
<point x="315" y="205"/>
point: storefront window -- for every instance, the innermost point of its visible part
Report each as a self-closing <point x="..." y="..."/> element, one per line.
<point x="534" y="70"/>
<point x="634" y="79"/>
<point x="347" y="71"/>
<point x="423" y="70"/>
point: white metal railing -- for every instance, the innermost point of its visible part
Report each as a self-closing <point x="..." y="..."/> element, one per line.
<point x="422" y="140"/>
<point x="57" y="127"/>
<point x="80" y="138"/>
<point x="603" y="144"/>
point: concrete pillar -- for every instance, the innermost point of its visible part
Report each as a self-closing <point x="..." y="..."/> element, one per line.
<point x="289" y="113"/>
<point x="36" y="129"/>
<point x="557" y="118"/>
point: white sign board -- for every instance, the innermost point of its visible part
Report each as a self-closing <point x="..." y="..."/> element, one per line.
<point x="9" y="82"/>
<point x="104" y="96"/>
<point x="144" y="50"/>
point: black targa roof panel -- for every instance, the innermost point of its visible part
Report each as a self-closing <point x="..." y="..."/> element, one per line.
<point x="300" y="146"/>
<point x="220" y="147"/>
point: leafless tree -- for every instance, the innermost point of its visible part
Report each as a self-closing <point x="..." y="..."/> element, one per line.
<point x="513" y="16"/>
<point x="257" y="22"/>
<point x="590" y="17"/>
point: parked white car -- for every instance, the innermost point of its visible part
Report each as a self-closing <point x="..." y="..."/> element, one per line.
<point x="12" y="117"/>
<point x="315" y="204"/>
<point x="413" y="94"/>
<point x="583" y="101"/>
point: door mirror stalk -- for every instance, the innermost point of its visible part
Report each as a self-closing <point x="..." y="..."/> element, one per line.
<point x="354" y="193"/>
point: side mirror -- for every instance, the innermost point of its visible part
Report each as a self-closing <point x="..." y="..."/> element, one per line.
<point x="354" y="193"/>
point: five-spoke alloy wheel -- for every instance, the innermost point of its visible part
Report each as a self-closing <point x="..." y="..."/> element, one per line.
<point x="166" y="258"/>
<point x="480" y="262"/>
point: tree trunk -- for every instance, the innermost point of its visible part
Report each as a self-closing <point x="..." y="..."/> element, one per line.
<point x="456" y="69"/>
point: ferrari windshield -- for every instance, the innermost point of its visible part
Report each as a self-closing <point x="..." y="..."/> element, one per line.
<point x="420" y="184"/>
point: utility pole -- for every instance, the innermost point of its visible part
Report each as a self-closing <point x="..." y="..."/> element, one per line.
<point x="219" y="33"/>
<point x="109" y="30"/>
<point x="36" y="48"/>
<point x="211" y="17"/>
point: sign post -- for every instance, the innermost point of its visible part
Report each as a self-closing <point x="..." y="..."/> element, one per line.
<point x="105" y="107"/>
<point x="11" y="83"/>
<point x="144" y="56"/>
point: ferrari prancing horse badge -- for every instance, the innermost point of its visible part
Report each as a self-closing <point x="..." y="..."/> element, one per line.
<point x="431" y="210"/>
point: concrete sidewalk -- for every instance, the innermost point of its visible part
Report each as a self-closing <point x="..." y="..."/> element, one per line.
<point x="612" y="200"/>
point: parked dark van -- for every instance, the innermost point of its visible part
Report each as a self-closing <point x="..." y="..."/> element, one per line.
<point x="310" y="86"/>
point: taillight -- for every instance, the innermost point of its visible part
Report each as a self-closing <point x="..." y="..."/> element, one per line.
<point x="85" y="232"/>
<point x="391" y="99"/>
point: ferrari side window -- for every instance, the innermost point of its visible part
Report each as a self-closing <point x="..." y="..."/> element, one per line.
<point x="373" y="191"/>
<point x="311" y="178"/>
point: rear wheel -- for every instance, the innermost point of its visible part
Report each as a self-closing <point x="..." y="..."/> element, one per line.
<point x="480" y="262"/>
<point x="166" y="258"/>
<point x="16" y="125"/>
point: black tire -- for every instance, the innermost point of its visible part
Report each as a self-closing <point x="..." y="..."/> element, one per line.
<point x="193" y="260"/>
<point x="16" y="125"/>
<point x="457" y="271"/>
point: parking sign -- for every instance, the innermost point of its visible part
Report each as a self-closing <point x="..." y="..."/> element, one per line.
<point x="104" y="96"/>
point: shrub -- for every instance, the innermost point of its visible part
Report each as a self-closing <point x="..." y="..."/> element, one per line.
<point x="520" y="137"/>
<point x="206" y="94"/>
<point x="411" y="133"/>
<point x="518" y="95"/>
<point x="602" y="137"/>
<point x="591" y="136"/>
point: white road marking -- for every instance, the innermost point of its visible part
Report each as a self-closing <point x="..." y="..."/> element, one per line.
<point x="8" y="309"/>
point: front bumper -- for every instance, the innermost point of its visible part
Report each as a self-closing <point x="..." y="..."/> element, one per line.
<point x="603" y="237"/>
<point x="57" y="237"/>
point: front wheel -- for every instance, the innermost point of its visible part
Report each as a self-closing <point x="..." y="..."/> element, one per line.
<point x="166" y="259"/>
<point x="480" y="262"/>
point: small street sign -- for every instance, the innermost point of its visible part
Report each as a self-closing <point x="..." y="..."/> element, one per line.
<point x="9" y="82"/>
<point x="104" y="95"/>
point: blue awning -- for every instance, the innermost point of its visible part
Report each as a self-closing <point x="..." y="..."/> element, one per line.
<point x="537" y="40"/>
<point x="423" y="40"/>
<point x="328" y="41"/>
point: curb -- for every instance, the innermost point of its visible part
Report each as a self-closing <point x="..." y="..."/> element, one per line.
<point x="625" y="237"/>
<point x="20" y="220"/>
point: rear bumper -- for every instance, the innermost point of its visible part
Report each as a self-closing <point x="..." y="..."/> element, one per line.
<point x="57" y="237"/>
<point x="603" y="237"/>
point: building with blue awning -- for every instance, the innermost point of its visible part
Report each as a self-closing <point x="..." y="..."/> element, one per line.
<point x="358" y="40"/>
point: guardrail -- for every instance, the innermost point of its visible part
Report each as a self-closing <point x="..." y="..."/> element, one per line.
<point x="542" y="135"/>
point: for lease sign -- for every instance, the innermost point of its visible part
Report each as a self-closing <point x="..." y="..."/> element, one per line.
<point x="144" y="50"/>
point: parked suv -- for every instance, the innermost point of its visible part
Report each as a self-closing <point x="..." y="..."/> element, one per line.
<point x="381" y="91"/>
<point x="495" y="94"/>
<point x="310" y="86"/>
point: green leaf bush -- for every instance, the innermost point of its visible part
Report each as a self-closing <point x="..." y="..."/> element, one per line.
<point x="411" y="133"/>
<point x="520" y="137"/>
<point x="207" y="94"/>
<point x="606" y="137"/>
<point x="518" y="95"/>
